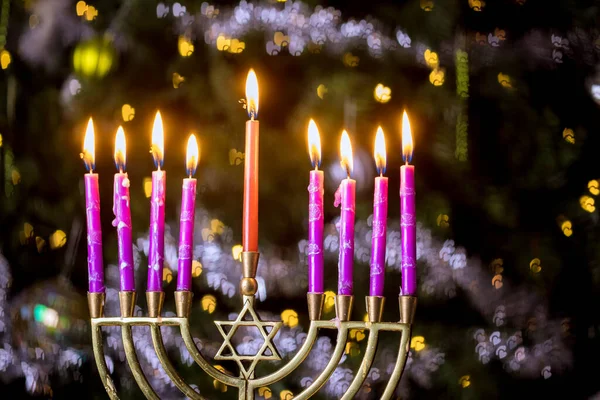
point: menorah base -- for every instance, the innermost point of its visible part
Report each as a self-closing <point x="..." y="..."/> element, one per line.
<point x="246" y="383"/>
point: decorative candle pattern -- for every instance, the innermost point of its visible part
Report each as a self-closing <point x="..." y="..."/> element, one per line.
<point x="122" y="222"/>
<point x="156" y="252"/>
<point x="94" y="234"/>
<point x="92" y="211"/>
<point x="315" y="232"/>
<point x="186" y="218"/>
<point x="408" y="228"/>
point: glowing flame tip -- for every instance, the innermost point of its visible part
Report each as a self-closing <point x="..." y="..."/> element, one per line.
<point x="252" y="94"/>
<point x="380" y="153"/>
<point x="407" y="140"/>
<point x="158" y="141"/>
<point x="314" y="144"/>
<point x="192" y="155"/>
<point x="89" y="147"/>
<point x="120" y="149"/>
<point x="346" y="153"/>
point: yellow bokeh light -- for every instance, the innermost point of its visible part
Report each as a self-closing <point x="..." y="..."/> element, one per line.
<point x="567" y="228"/>
<point x="443" y="221"/>
<point x="280" y="39"/>
<point x="1" y="141"/>
<point x="382" y="93"/>
<point x="350" y="60"/>
<point x="535" y="265"/>
<point x="476" y="5"/>
<point x="5" y="59"/>
<point x="58" y="239"/>
<point x="329" y="304"/>
<point x="127" y="112"/>
<point x="431" y="59"/>
<point x="593" y="185"/>
<point x="177" y="80"/>
<point x="236" y="252"/>
<point x="322" y="91"/>
<point x="235" y="157"/>
<point x="147" y="187"/>
<point x="91" y="13"/>
<point x="28" y="229"/>
<point x="587" y="203"/>
<point x="497" y="281"/>
<point x="357" y="334"/>
<point x="569" y="135"/>
<point x="352" y="349"/>
<point x="196" y="268"/>
<point x="185" y="46"/>
<point x="265" y="392"/>
<point x="167" y="275"/>
<point x="80" y="8"/>
<point x="417" y="343"/>
<point x="289" y="318"/>
<point x="217" y="226"/>
<point x="286" y="395"/>
<point x="497" y="266"/>
<point x="504" y="80"/>
<point x="427" y="5"/>
<point x="39" y="243"/>
<point x="15" y="176"/>
<point x="465" y="381"/>
<point x="209" y="303"/>
<point x="437" y="76"/>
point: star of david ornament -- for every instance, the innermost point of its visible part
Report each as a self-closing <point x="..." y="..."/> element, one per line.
<point x="266" y="352"/>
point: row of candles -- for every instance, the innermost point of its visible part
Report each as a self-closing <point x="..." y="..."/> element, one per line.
<point x="347" y="200"/>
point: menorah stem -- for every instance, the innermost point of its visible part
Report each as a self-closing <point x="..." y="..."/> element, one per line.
<point x="365" y="365"/>
<point x="161" y="353"/>
<point x="134" y="364"/>
<point x="399" y="367"/>
<point x="101" y="362"/>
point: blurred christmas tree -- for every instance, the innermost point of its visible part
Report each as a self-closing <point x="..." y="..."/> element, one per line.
<point x="503" y="99"/>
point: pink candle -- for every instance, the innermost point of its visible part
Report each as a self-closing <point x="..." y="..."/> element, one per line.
<point x="92" y="207"/>
<point x="250" y="216"/>
<point x="156" y="252"/>
<point x="315" y="213"/>
<point x="408" y="219"/>
<point x="380" y="207"/>
<point x="186" y="218"/>
<point x="122" y="214"/>
<point x="347" y="192"/>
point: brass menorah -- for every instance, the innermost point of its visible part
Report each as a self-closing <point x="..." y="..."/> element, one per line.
<point x="246" y="382"/>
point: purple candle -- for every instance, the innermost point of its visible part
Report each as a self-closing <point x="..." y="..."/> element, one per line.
<point x="122" y="214"/>
<point x="156" y="252"/>
<point x="186" y="218"/>
<point x="92" y="207"/>
<point x="408" y="227"/>
<point x="347" y="192"/>
<point x="315" y="213"/>
<point x="380" y="207"/>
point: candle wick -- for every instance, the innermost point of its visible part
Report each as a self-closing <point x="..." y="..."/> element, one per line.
<point x="381" y="173"/>
<point x="406" y="162"/>
<point x="158" y="167"/>
<point x="190" y="176"/>
<point x="120" y="170"/>
<point x="316" y="167"/>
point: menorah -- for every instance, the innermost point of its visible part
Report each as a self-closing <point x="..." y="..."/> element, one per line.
<point x="246" y="382"/>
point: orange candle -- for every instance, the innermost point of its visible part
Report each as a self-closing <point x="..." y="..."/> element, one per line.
<point x="250" y="226"/>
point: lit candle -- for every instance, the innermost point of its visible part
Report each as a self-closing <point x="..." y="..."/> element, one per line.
<point x="122" y="214"/>
<point x="380" y="208"/>
<point x="156" y="252"/>
<point x="186" y="218"/>
<point x="92" y="207"/>
<point x="315" y="213"/>
<point x="347" y="192"/>
<point x="407" y="214"/>
<point x="250" y="225"/>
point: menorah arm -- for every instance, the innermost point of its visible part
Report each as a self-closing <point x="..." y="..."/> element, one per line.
<point x="201" y="361"/>
<point x="400" y="361"/>
<point x="161" y="352"/>
<point x="365" y="365"/>
<point x="101" y="362"/>
<point x="338" y="352"/>
<point x="134" y="364"/>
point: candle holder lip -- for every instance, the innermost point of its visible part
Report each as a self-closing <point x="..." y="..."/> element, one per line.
<point x="248" y="284"/>
<point x="375" y="305"/>
<point x="183" y="303"/>
<point x="96" y="304"/>
<point x="408" y="307"/>
<point x="155" y="303"/>
<point x="315" y="302"/>
<point x="127" y="303"/>
<point x="343" y="307"/>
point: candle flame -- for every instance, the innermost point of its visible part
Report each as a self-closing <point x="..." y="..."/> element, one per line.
<point x="89" y="147"/>
<point x="192" y="155"/>
<point x="252" y="94"/>
<point x="346" y="153"/>
<point x="314" y="144"/>
<point x="379" y="153"/>
<point x="158" y="141"/>
<point x="407" y="140"/>
<point x="120" y="146"/>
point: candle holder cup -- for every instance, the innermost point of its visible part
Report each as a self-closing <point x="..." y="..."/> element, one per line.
<point x="246" y="382"/>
